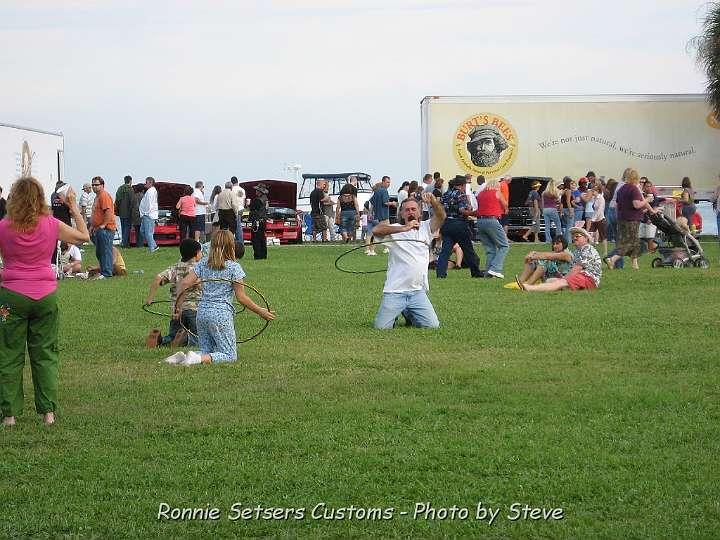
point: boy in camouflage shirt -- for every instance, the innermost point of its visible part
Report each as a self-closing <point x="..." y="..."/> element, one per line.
<point x="190" y="253"/>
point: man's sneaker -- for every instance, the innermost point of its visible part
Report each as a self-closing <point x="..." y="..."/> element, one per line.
<point x="154" y="250"/>
<point x="82" y="275"/>
<point x="370" y="253"/>
<point x="177" y="358"/>
<point x="493" y="273"/>
<point x="153" y="339"/>
<point x="180" y="339"/>
<point x="99" y="276"/>
<point x="191" y="358"/>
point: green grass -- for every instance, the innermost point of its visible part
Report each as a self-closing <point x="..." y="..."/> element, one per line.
<point x="604" y="404"/>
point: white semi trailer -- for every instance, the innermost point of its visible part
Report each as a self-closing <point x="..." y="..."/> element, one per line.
<point x="33" y="152"/>
<point x="664" y="137"/>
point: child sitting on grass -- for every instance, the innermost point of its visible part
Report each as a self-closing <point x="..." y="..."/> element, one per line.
<point x="190" y="253"/>
<point x="215" y="315"/>
<point x="70" y="259"/>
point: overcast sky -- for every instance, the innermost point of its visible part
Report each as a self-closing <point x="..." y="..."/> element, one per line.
<point x="186" y="90"/>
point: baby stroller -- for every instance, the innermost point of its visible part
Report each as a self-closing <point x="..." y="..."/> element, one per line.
<point x="681" y="250"/>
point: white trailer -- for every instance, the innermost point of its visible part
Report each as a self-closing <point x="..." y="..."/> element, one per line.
<point x="31" y="152"/>
<point x="664" y="137"/>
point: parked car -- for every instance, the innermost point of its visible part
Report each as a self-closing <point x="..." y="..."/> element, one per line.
<point x="284" y="221"/>
<point x="167" y="230"/>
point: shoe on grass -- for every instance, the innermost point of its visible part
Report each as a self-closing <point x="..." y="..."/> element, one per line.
<point x="177" y="358"/>
<point x="192" y="358"/>
<point x="511" y="285"/>
<point x="494" y="274"/>
<point x="153" y="339"/>
<point x="180" y="339"/>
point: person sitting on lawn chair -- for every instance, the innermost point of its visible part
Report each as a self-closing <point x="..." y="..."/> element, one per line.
<point x="585" y="271"/>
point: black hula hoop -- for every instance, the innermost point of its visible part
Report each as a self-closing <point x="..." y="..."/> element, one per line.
<point x="373" y="243"/>
<point x="147" y="308"/>
<point x="256" y="334"/>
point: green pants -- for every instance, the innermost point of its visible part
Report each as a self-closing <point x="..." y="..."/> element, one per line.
<point x="24" y="321"/>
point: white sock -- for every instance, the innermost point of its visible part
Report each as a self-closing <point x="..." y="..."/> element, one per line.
<point x="192" y="358"/>
<point x="177" y="358"/>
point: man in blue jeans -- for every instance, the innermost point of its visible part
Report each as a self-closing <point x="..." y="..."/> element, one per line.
<point x="455" y="229"/>
<point x="103" y="226"/>
<point x="406" y="284"/>
<point x="148" y="215"/>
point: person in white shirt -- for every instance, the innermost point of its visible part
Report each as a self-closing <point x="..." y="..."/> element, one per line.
<point x="148" y="215"/>
<point x="239" y="193"/>
<point x="403" y="192"/>
<point x="406" y="284"/>
<point x="86" y="201"/>
<point x="70" y="259"/>
<point x="201" y="206"/>
<point x="598" y="223"/>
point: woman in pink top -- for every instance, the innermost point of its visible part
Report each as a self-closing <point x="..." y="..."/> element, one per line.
<point x="186" y="206"/>
<point x="28" y="303"/>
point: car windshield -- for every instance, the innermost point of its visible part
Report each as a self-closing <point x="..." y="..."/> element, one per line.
<point x="279" y="211"/>
<point x="335" y="183"/>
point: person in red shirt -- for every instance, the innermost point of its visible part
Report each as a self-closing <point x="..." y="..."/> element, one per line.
<point x="492" y="204"/>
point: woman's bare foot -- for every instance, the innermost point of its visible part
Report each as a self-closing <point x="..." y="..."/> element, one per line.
<point x="49" y="418"/>
<point x="9" y="421"/>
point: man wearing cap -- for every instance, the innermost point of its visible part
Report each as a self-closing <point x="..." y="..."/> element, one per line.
<point x="585" y="268"/>
<point x="455" y="230"/>
<point x="258" y="220"/>
<point x="406" y="285"/>
<point x="485" y="145"/>
<point x="87" y="198"/>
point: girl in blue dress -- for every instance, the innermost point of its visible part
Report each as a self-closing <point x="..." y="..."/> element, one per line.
<point x="215" y="314"/>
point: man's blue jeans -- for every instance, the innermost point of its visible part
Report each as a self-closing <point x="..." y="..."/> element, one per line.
<point x="415" y="306"/>
<point x="551" y="216"/>
<point x="455" y="231"/>
<point x="103" y="239"/>
<point x="125" y="224"/>
<point x="147" y="232"/>
<point x="495" y="242"/>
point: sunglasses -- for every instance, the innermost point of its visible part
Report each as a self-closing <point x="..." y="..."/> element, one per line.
<point x="97" y="184"/>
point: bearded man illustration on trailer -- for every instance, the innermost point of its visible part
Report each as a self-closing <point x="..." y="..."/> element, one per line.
<point x="485" y="145"/>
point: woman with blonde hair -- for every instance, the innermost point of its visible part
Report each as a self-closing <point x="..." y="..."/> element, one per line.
<point x="28" y="303"/>
<point x="221" y="277"/>
<point x="631" y="205"/>
<point x="550" y="199"/>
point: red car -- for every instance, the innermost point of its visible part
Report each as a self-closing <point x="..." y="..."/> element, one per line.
<point x="284" y="221"/>
<point x="167" y="230"/>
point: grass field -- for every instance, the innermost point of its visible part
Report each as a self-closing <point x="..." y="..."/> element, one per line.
<point x="602" y="404"/>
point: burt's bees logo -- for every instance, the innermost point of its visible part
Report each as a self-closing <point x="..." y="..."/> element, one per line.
<point x="485" y="144"/>
<point x="713" y="121"/>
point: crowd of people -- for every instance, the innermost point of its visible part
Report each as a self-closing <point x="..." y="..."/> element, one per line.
<point x="586" y="213"/>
